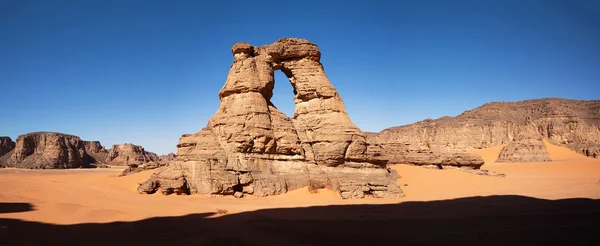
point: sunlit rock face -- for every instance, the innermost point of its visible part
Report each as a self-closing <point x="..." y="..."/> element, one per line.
<point x="521" y="126"/>
<point x="46" y="150"/>
<point x="250" y="147"/>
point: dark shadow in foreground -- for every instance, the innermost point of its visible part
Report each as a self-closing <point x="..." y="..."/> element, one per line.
<point x="15" y="207"/>
<point x="495" y="220"/>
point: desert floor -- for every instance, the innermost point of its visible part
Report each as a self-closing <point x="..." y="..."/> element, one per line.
<point x="554" y="202"/>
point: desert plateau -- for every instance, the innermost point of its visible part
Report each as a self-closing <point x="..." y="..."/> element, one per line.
<point x="454" y="123"/>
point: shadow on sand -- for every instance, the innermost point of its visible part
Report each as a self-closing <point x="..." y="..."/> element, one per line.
<point x="15" y="207"/>
<point x="495" y="220"/>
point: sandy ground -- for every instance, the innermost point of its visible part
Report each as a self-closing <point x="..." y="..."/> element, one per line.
<point x="68" y="197"/>
<point x="100" y="195"/>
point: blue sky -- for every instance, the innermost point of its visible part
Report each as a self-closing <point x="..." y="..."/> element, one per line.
<point x="145" y="72"/>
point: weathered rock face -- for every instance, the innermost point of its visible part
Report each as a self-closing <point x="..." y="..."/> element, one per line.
<point x="571" y="123"/>
<point x="129" y="154"/>
<point x="524" y="150"/>
<point x="250" y="146"/>
<point x="135" y="168"/>
<point x="6" y="145"/>
<point x="95" y="151"/>
<point x="47" y="150"/>
<point x="167" y="158"/>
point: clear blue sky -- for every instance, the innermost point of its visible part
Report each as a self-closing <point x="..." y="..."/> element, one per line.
<point x="145" y="72"/>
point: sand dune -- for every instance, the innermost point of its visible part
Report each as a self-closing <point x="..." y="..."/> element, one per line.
<point x="99" y="195"/>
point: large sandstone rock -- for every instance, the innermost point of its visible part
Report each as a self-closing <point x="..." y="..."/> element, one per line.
<point x="571" y="123"/>
<point x="249" y="146"/>
<point x="47" y="150"/>
<point x="96" y="152"/>
<point x="167" y="158"/>
<point x="137" y="167"/>
<point x="129" y="154"/>
<point x="6" y="145"/>
<point x="524" y="150"/>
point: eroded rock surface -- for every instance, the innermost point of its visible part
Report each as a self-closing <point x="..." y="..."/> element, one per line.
<point x="6" y="145"/>
<point x="249" y="146"/>
<point x="96" y="152"/>
<point x="129" y="154"/>
<point x="167" y="158"/>
<point x="524" y="150"/>
<point x="571" y="123"/>
<point x="47" y="150"/>
<point x="139" y="167"/>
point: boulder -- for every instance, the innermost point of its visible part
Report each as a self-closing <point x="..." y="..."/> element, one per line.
<point x="249" y="146"/>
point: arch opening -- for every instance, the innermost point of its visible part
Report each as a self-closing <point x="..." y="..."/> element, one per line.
<point x="283" y="94"/>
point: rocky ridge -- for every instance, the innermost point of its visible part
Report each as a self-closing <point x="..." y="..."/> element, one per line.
<point x="53" y="150"/>
<point x="46" y="150"/>
<point x="250" y="147"/>
<point x="521" y="126"/>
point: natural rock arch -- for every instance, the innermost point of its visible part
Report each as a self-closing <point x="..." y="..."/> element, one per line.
<point x="249" y="144"/>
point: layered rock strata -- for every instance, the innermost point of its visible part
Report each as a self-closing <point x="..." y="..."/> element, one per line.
<point x="250" y="147"/>
<point x="520" y="125"/>
<point x="96" y="152"/>
<point x="129" y="154"/>
<point x="46" y="150"/>
<point x="6" y="145"/>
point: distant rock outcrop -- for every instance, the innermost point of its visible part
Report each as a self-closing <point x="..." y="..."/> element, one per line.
<point x="520" y="125"/>
<point x="96" y="151"/>
<point x="136" y="168"/>
<point x="250" y="147"/>
<point x="47" y="150"/>
<point x="129" y="154"/>
<point x="167" y="158"/>
<point x="6" y="145"/>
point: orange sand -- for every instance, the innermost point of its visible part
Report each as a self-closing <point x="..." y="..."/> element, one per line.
<point x="79" y="196"/>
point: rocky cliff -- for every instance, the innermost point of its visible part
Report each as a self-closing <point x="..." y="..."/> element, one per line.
<point x="46" y="150"/>
<point x="520" y="125"/>
<point x="250" y="147"/>
<point x="129" y="154"/>
<point x="96" y="152"/>
<point x="6" y="145"/>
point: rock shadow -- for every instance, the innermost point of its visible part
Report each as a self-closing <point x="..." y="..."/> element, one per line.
<point x="494" y="220"/>
<point x="15" y="207"/>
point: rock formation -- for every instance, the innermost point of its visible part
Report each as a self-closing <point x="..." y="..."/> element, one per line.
<point x="6" y="145"/>
<point x="520" y="125"/>
<point x="129" y="154"/>
<point x="96" y="151"/>
<point x="137" y="167"/>
<point x="524" y="150"/>
<point x="250" y="147"/>
<point x="46" y="150"/>
<point x="167" y="158"/>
